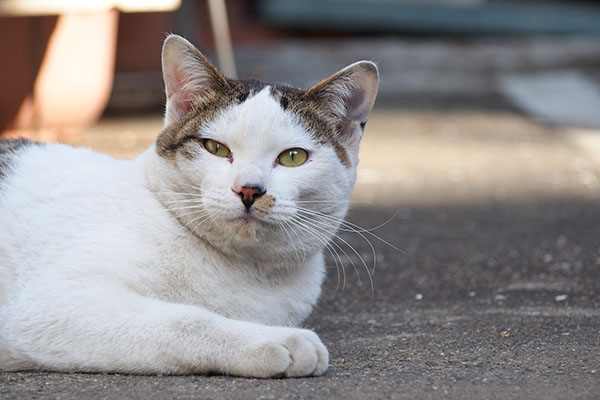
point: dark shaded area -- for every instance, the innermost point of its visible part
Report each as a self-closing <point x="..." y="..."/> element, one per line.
<point x="20" y="65"/>
<point x="490" y="301"/>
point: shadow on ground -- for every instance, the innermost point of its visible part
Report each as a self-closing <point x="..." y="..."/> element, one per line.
<point x="490" y="301"/>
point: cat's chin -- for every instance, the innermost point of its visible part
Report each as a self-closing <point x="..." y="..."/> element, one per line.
<point x="246" y="227"/>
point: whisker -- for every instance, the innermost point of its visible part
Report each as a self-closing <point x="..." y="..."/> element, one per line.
<point x="184" y="207"/>
<point x="204" y="220"/>
<point x="373" y="252"/>
<point x="357" y="228"/>
<point x="334" y="201"/>
<point x="179" y="193"/>
<point x="298" y="237"/>
<point x="339" y="265"/>
<point x="192" y="186"/>
<point x="292" y="242"/>
<point x="200" y="215"/>
<point x="335" y="236"/>
<point x="197" y="200"/>
<point x="369" y="230"/>
<point x="201" y="212"/>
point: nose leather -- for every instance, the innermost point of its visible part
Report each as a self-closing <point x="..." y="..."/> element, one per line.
<point x="249" y="194"/>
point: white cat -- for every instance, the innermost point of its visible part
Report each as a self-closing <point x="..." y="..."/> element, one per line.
<point x="202" y="254"/>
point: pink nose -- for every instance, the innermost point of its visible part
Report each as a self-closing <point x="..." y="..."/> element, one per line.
<point x="249" y="194"/>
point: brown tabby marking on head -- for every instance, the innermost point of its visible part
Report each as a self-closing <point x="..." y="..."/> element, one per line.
<point x="304" y="104"/>
<point x="219" y="96"/>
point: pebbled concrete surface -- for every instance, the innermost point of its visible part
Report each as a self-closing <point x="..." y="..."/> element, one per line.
<point x="496" y="292"/>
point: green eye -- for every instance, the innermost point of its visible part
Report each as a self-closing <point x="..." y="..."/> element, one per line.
<point x="216" y="148"/>
<point x="292" y="157"/>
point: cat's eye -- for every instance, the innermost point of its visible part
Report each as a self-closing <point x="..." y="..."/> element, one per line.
<point x="292" y="157"/>
<point x="216" y="148"/>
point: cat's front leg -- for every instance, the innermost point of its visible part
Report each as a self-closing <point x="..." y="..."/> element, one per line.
<point x="112" y="329"/>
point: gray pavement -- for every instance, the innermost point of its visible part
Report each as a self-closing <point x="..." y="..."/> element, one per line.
<point x="496" y="292"/>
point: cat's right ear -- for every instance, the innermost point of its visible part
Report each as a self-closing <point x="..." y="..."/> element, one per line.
<point x="187" y="74"/>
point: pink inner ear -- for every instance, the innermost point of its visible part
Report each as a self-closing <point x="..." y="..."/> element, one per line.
<point x="187" y="73"/>
<point x="179" y="94"/>
<point x="357" y="107"/>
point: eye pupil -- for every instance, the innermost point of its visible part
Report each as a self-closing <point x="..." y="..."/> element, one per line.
<point x="216" y="148"/>
<point x="292" y="157"/>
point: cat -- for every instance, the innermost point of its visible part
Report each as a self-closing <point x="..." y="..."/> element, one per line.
<point x="202" y="255"/>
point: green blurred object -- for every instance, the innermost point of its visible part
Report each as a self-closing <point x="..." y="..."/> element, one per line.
<point x="449" y="16"/>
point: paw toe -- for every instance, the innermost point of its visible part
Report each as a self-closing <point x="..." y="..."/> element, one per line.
<point x="323" y="362"/>
<point x="304" y="357"/>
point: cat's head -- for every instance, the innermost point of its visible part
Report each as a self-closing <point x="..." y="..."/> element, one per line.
<point x="250" y="162"/>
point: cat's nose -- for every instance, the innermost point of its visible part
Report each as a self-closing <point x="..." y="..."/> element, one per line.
<point x="249" y="194"/>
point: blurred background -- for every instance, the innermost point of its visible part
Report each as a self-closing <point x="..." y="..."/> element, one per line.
<point x="481" y="101"/>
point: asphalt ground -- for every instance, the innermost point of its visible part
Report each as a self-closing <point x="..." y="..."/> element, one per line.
<point x="495" y="293"/>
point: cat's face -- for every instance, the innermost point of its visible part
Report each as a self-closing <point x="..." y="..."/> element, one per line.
<point x="261" y="166"/>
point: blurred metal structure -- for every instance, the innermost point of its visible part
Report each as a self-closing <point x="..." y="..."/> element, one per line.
<point x="220" y="26"/>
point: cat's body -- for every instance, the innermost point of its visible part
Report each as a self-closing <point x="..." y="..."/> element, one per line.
<point x="180" y="260"/>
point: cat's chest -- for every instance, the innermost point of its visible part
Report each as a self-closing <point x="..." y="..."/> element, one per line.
<point x="236" y="291"/>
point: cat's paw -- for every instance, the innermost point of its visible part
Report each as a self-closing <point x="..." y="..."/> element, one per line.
<point x="288" y="352"/>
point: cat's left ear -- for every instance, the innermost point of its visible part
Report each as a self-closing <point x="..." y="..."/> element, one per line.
<point x="348" y="98"/>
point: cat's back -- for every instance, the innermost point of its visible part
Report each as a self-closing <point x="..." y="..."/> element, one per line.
<point x="32" y="166"/>
<point x="10" y="151"/>
<point x="51" y="195"/>
<point x="46" y="185"/>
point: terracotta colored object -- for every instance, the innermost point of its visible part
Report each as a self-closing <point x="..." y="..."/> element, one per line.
<point x="57" y="75"/>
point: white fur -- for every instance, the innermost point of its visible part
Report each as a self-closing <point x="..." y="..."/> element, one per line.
<point x="148" y="265"/>
<point x="97" y="275"/>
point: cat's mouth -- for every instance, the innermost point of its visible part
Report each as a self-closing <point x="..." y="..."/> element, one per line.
<point x="257" y="212"/>
<point x="247" y="223"/>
